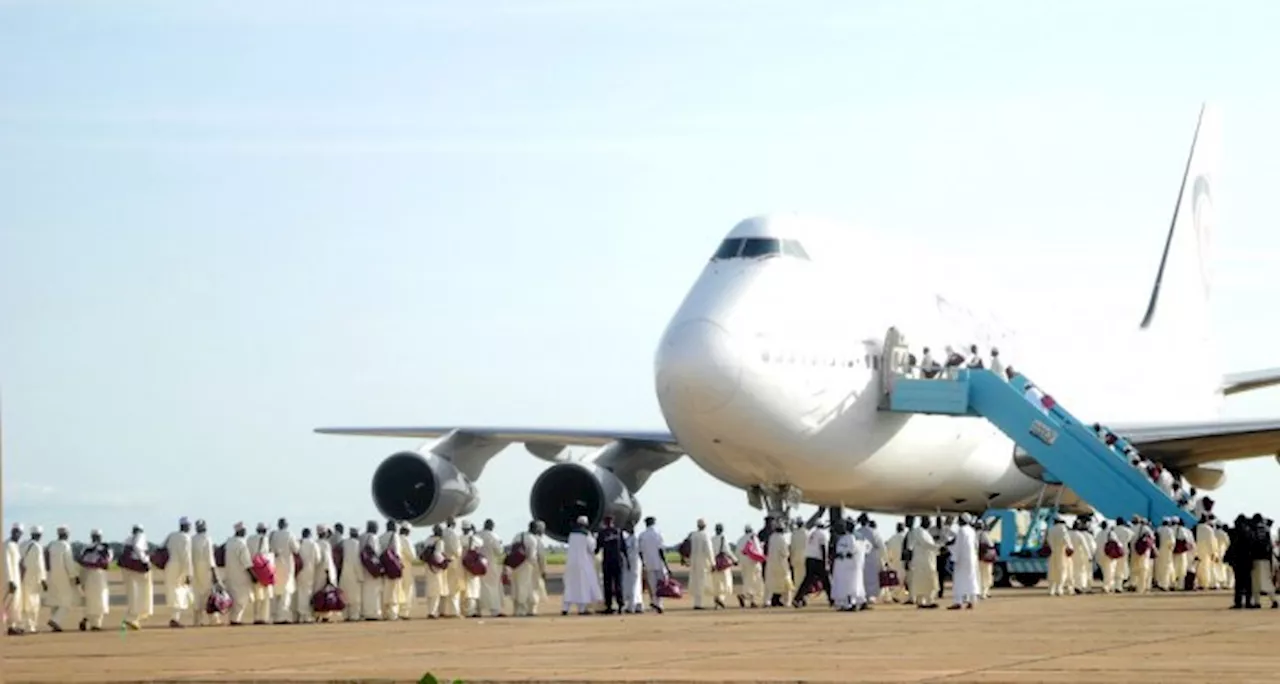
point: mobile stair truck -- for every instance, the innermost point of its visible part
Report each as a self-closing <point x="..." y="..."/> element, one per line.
<point x="1069" y="451"/>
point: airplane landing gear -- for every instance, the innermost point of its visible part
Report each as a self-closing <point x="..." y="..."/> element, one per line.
<point x="776" y="500"/>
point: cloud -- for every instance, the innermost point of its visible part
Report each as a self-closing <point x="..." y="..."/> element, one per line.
<point x="38" y="495"/>
<point x="24" y="493"/>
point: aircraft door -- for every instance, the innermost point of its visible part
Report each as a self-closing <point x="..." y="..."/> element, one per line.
<point x="892" y="361"/>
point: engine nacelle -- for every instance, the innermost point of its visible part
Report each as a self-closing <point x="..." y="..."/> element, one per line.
<point x="567" y="490"/>
<point x="422" y="489"/>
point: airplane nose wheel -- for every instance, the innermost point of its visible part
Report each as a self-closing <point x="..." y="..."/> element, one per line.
<point x="776" y="500"/>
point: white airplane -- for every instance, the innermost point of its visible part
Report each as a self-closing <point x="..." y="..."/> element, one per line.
<point x="768" y="377"/>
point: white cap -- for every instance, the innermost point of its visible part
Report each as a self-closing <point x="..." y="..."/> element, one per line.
<point x="37" y="530"/>
<point x="95" y="533"/>
<point x="966" y="518"/>
<point x="17" y="527"/>
<point x="582" y="520"/>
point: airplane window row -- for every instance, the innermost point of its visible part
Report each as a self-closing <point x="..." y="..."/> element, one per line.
<point x="869" y="361"/>
<point x="756" y="248"/>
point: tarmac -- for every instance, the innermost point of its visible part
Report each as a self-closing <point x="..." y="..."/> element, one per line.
<point x="1019" y="635"/>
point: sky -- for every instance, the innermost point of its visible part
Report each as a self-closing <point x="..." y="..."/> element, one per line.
<point x="225" y="224"/>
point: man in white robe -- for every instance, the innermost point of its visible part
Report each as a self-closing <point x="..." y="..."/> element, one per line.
<point x="1059" y="541"/>
<point x="581" y="584"/>
<point x="965" y="588"/>
<point x="799" y="541"/>
<point x="263" y="595"/>
<point x="178" y="573"/>
<point x="842" y="570"/>
<point x="861" y="550"/>
<point x="721" y="586"/>
<point x="875" y="557"/>
<point x="893" y="559"/>
<point x="35" y="576"/>
<point x="13" y="581"/>
<point x="1163" y="566"/>
<point x="1182" y="559"/>
<point x="96" y="584"/>
<point x="391" y="586"/>
<point x="203" y="571"/>
<point x="701" y="562"/>
<point x="1207" y="555"/>
<point x="408" y="587"/>
<point x="309" y="551"/>
<point x="986" y="568"/>
<point x="923" y="549"/>
<point x="1082" y="561"/>
<point x="64" y="580"/>
<point x="632" y="585"/>
<point x="1108" y="565"/>
<point x="370" y="584"/>
<point x="749" y="568"/>
<point x="653" y="554"/>
<point x="1125" y="534"/>
<point x="352" y="575"/>
<point x="491" y="599"/>
<point x="326" y="571"/>
<point x="138" y="586"/>
<point x="1140" y="563"/>
<point x="848" y="593"/>
<point x="526" y="590"/>
<point x="455" y="579"/>
<point x="436" y="579"/>
<point x="238" y="576"/>
<point x="337" y="535"/>
<point x="777" y="569"/>
<point x="471" y="586"/>
<point x="283" y="546"/>
<point x="1224" y="576"/>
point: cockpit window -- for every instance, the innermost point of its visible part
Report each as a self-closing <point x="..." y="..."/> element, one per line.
<point x="793" y="248"/>
<point x="729" y="248"/>
<point x="753" y="248"/>
<point x="758" y="247"/>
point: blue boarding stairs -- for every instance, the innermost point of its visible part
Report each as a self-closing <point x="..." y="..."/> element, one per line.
<point x="1068" y="449"/>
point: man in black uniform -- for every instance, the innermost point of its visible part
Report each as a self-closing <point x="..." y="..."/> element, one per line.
<point x="1240" y="557"/>
<point x="609" y="543"/>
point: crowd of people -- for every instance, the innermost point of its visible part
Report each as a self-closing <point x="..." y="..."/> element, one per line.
<point x="333" y="573"/>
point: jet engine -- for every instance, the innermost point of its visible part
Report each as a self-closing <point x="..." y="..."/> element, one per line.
<point x="567" y="490"/>
<point x="422" y="489"/>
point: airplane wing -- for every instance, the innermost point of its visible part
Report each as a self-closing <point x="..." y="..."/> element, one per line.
<point x="1187" y="445"/>
<point x="1247" y="381"/>
<point x="634" y="456"/>
<point x="661" y="440"/>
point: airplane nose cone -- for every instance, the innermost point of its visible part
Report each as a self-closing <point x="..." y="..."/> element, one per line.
<point x="698" y="367"/>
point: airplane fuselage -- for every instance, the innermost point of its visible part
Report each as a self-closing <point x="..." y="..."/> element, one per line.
<point x="768" y="375"/>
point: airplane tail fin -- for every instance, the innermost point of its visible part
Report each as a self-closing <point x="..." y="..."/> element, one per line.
<point x="1178" y="316"/>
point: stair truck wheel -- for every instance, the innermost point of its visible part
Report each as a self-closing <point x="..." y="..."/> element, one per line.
<point x="1028" y="579"/>
<point x="1000" y="575"/>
